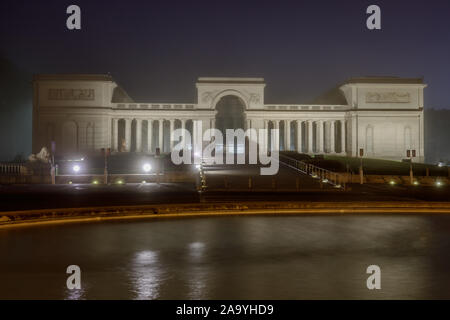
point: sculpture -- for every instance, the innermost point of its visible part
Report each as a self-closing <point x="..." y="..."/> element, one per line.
<point x="42" y="156"/>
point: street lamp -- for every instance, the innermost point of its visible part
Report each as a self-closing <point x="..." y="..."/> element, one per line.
<point x="410" y="154"/>
<point x="147" y="167"/>
<point x="361" y="170"/>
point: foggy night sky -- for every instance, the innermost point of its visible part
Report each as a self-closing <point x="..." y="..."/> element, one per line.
<point x="157" y="49"/>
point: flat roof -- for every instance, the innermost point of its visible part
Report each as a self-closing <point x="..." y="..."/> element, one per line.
<point x="385" y="79"/>
<point x="73" y="77"/>
<point x="229" y="80"/>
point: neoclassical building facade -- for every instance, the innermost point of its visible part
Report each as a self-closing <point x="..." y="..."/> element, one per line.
<point x="82" y="114"/>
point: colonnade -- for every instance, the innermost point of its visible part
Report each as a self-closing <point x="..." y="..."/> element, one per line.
<point x="310" y="136"/>
<point x="304" y="136"/>
<point x="155" y="129"/>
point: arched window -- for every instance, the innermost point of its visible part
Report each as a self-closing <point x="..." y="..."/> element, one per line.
<point x="369" y="139"/>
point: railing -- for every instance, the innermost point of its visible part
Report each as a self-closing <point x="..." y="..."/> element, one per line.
<point x="12" y="169"/>
<point x="325" y="176"/>
<point x="156" y="106"/>
<point x="191" y="106"/>
<point x="301" y="107"/>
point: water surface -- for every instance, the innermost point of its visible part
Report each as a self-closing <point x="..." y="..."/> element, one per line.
<point x="265" y="257"/>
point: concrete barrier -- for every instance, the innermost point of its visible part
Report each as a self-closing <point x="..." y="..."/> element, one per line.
<point x="93" y="214"/>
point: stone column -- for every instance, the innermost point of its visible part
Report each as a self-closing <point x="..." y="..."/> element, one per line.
<point x="320" y="136"/>
<point x="138" y="135"/>
<point x="310" y="136"/>
<point x="160" y="135"/>
<point x="332" y="132"/>
<point x="299" y="136"/>
<point x="197" y="133"/>
<point x="183" y="133"/>
<point x="149" y="135"/>
<point x="276" y="144"/>
<point x="249" y="124"/>
<point x="212" y="125"/>
<point x="263" y="144"/>
<point x="127" y="134"/>
<point x="171" y="129"/>
<point x="354" y="134"/>
<point x="115" y="135"/>
<point x="342" y="136"/>
<point x="287" y="135"/>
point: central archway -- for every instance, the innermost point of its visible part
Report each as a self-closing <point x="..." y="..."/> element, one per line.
<point x="230" y="115"/>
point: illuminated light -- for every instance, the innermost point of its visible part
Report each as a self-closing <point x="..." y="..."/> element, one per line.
<point x="144" y="182"/>
<point x="147" y="167"/>
<point x="337" y="186"/>
<point x="416" y="183"/>
<point x="198" y="166"/>
<point x="119" y="182"/>
<point x="197" y="154"/>
<point x="392" y="182"/>
<point x="76" y="168"/>
<point x="325" y="180"/>
<point x="70" y="182"/>
<point x="95" y="182"/>
<point x="438" y="183"/>
<point x="440" y="164"/>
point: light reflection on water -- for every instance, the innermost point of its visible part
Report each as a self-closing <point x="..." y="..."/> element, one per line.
<point x="196" y="272"/>
<point x="146" y="274"/>
<point x="78" y="294"/>
<point x="301" y="257"/>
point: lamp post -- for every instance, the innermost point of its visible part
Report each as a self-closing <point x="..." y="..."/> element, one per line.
<point x="411" y="154"/>
<point x="53" y="166"/>
<point x="158" y="161"/>
<point x="106" y="152"/>
<point x="361" y="171"/>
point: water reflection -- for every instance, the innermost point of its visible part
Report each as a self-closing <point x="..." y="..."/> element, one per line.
<point x="196" y="273"/>
<point x="76" y="294"/>
<point x="146" y="275"/>
<point x="232" y="258"/>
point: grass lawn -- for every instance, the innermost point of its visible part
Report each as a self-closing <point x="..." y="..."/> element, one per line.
<point x="371" y="166"/>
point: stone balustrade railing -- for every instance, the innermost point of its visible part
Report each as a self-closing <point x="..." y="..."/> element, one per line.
<point x="190" y="106"/>
<point x="301" y="107"/>
<point x="12" y="169"/>
<point x="325" y="176"/>
<point x="150" y="106"/>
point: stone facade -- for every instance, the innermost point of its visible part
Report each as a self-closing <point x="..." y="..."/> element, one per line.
<point x="84" y="113"/>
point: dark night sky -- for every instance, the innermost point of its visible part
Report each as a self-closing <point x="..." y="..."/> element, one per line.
<point x="156" y="49"/>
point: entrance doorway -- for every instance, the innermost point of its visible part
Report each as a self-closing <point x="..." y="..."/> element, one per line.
<point x="230" y="115"/>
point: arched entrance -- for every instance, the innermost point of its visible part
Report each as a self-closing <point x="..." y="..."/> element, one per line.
<point x="230" y="115"/>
